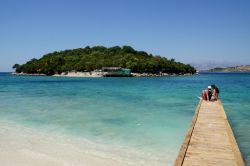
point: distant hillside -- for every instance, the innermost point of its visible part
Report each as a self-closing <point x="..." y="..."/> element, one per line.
<point x="94" y="58"/>
<point x="244" y="68"/>
<point x="207" y="65"/>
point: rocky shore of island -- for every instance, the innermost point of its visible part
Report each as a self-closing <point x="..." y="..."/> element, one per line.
<point x="102" y="74"/>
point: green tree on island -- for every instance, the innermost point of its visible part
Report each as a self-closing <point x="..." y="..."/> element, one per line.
<point x="94" y="58"/>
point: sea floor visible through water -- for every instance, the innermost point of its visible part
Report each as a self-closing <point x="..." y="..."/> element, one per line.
<point x="130" y="119"/>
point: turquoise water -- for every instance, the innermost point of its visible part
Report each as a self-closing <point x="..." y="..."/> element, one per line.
<point x="149" y="114"/>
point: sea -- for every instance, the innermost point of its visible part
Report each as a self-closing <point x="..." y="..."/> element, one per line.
<point x="149" y="114"/>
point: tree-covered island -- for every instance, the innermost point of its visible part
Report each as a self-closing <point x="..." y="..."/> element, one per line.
<point x="95" y="58"/>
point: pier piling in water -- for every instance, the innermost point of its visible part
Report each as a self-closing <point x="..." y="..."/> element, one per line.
<point x="210" y="139"/>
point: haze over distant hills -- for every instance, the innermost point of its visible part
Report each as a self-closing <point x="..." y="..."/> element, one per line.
<point x="201" y="66"/>
<point x="243" y="68"/>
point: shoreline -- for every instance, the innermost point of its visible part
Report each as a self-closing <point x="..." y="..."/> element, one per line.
<point x="26" y="146"/>
<point x="96" y="74"/>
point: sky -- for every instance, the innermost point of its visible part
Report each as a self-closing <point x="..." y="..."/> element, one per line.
<point x="186" y="30"/>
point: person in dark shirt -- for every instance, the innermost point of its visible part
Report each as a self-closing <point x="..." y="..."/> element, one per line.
<point x="209" y="93"/>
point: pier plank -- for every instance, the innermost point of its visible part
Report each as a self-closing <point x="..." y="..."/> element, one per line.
<point x="210" y="139"/>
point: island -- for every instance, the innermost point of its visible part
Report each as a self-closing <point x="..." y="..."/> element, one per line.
<point x="103" y="61"/>
<point x="242" y="68"/>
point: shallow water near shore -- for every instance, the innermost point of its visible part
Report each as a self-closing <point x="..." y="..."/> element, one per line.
<point x="151" y="115"/>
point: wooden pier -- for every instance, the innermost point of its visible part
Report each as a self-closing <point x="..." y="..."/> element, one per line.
<point x="210" y="140"/>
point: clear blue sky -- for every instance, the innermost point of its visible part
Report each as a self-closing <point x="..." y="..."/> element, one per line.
<point x="187" y="30"/>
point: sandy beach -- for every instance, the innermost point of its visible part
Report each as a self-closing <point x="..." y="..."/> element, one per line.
<point x="21" y="146"/>
<point x="80" y="74"/>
